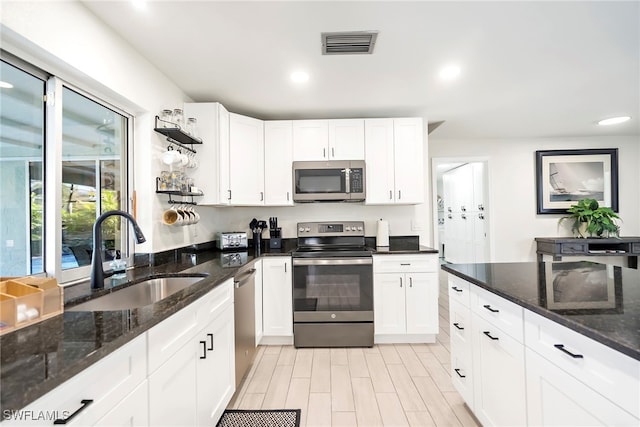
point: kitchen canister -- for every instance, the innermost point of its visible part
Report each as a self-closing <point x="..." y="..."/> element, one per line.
<point x="382" y="237"/>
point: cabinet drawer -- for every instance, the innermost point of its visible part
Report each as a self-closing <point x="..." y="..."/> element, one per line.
<point x="611" y="373"/>
<point x="214" y="303"/>
<point x="498" y="311"/>
<point x="573" y="248"/>
<point x="635" y="248"/>
<point x="405" y="263"/>
<point x="106" y="382"/>
<point x="460" y="327"/>
<point x="458" y="290"/>
<point x="171" y="334"/>
<point x="462" y="377"/>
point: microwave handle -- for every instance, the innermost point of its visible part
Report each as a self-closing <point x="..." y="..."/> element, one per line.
<point x="347" y="179"/>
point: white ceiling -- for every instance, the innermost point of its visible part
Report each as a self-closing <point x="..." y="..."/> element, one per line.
<point x="529" y="69"/>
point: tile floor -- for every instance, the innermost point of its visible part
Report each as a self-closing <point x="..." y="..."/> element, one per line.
<point x="387" y="385"/>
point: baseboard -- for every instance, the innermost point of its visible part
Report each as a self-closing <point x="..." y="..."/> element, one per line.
<point x="276" y="340"/>
<point x="404" y="339"/>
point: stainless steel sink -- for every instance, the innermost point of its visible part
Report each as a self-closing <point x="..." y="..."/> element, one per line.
<point x="138" y="295"/>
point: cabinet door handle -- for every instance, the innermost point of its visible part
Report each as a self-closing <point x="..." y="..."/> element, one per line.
<point x="262" y="196"/>
<point x="324" y="153"/>
<point x="463" y="208"/>
<point x="450" y="216"/>
<point x="488" y="333"/>
<point x="287" y="196"/>
<point x="229" y="198"/>
<point x="399" y="194"/>
<point x="459" y="374"/>
<point x="210" y="336"/>
<point x="457" y="325"/>
<point x="285" y="267"/>
<point x="455" y="288"/>
<point x="463" y="216"/>
<point x="564" y="350"/>
<point x="493" y="310"/>
<point x="401" y="282"/>
<point x="390" y="194"/>
<point x="405" y="263"/>
<point x="84" y="402"/>
<point x="204" y="350"/>
<point x="333" y="153"/>
<point x="411" y="282"/>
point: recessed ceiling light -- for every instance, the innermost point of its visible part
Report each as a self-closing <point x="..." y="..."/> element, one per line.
<point x="449" y="72"/>
<point x="5" y="85"/>
<point x="139" y="4"/>
<point x="299" y="77"/>
<point x="614" y="120"/>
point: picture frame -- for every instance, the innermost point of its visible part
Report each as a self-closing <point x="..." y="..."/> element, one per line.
<point x="565" y="176"/>
<point x="581" y="288"/>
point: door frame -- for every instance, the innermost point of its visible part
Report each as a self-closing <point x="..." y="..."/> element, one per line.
<point x="437" y="161"/>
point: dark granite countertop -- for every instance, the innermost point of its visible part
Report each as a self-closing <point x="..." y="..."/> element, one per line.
<point x="599" y="301"/>
<point x="36" y="359"/>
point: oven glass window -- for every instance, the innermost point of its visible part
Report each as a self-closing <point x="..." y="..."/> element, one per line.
<point x="333" y="288"/>
<point x="314" y="181"/>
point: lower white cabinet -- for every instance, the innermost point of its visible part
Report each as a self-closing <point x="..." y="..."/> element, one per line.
<point x="258" y="288"/>
<point x="193" y="386"/>
<point x="277" y="300"/>
<point x="132" y="411"/>
<point x="89" y="396"/>
<point x="499" y="376"/>
<point x="405" y="295"/>
<point x="520" y="368"/>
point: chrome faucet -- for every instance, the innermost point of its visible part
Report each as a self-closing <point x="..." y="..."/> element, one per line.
<point x="97" y="273"/>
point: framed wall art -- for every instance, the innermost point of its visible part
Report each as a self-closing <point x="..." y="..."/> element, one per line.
<point x="566" y="176"/>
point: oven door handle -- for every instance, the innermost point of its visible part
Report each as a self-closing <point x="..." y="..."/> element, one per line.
<point x="332" y="261"/>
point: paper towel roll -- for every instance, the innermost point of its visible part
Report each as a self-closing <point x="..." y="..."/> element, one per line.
<point x="382" y="238"/>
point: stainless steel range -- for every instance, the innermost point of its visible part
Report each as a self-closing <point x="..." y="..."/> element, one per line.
<point x="332" y="286"/>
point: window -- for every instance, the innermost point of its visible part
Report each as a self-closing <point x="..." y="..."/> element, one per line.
<point x="63" y="164"/>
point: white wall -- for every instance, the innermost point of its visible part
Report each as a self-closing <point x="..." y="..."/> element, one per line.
<point x="64" y="38"/>
<point x="512" y="187"/>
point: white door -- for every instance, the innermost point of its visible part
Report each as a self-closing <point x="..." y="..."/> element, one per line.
<point x="277" y="296"/>
<point x="346" y="139"/>
<point x="422" y="303"/>
<point x="278" y="156"/>
<point x="379" y="161"/>
<point x="258" y="267"/>
<point x="409" y="164"/>
<point x="389" y="303"/>
<point x="246" y="160"/>
<point x="215" y="382"/>
<point x="310" y="140"/>
<point x="172" y="390"/>
<point x="555" y="398"/>
<point x="499" y="382"/>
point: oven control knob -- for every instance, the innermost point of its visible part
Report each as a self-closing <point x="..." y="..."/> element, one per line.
<point x="307" y="229"/>
<point x="301" y="229"/>
<point x="359" y="228"/>
<point x="347" y="228"/>
<point x="333" y="315"/>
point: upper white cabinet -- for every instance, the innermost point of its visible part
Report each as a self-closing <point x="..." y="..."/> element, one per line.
<point x="212" y="176"/>
<point x="246" y="160"/>
<point x="394" y="159"/>
<point x="318" y="140"/>
<point x="278" y="156"/>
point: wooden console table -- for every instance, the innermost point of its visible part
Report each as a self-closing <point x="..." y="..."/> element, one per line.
<point x="566" y="246"/>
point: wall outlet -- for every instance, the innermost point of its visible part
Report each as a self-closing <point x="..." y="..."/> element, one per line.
<point x="417" y="225"/>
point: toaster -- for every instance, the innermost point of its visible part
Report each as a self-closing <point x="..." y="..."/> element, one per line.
<point x="232" y="240"/>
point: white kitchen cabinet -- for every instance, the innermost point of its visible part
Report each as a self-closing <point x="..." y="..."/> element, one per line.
<point x="499" y="397"/>
<point x="132" y="411"/>
<point x="318" y="140"/>
<point x="212" y="175"/>
<point x="394" y="159"/>
<point x="277" y="296"/>
<point x="278" y="158"/>
<point x="557" y="399"/>
<point x="246" y="161"/>
<point x="461" y="338"/>
<point x="258" y="288"/>
<point x="105" y="384"/>
<point x="405" y="298"/>
<point x="196" y="379"/>
<point x="346" y="139"/>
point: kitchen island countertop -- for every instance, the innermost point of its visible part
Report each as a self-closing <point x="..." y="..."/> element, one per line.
<point x="599" y="301"/>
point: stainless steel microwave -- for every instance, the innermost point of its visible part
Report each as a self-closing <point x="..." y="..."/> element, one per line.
<point x="330" y="181"/>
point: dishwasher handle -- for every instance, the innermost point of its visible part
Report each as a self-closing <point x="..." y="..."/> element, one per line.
<point x="243" y="279"/>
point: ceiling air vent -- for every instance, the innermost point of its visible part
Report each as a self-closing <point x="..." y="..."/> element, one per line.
<point x="347" y="43"/>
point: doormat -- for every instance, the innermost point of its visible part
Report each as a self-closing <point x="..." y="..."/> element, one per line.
<point x="260" y="418"/>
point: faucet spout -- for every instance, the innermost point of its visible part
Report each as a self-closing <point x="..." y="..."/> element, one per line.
<point x="97" y="273"/>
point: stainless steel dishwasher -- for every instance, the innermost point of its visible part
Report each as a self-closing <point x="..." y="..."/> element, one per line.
<point x="245" y="319"/>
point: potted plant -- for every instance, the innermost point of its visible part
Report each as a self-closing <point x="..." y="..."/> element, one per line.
<point x="592" y="220"/>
